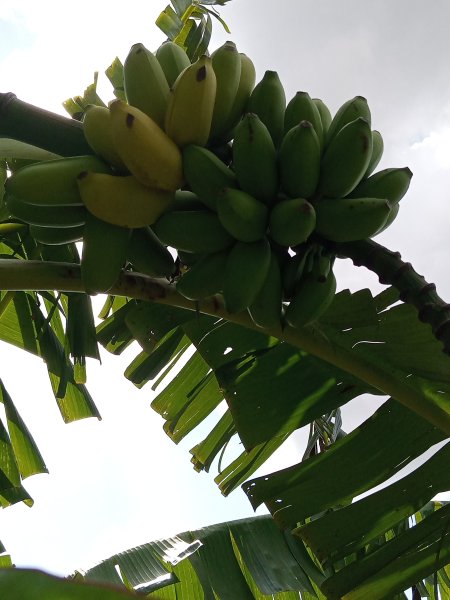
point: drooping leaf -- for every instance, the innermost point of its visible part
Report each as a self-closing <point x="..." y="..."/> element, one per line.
<point x="26" y="453"/>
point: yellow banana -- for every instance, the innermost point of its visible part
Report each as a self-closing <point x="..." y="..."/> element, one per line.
<point x="149" y="154"/>
<point x="122" y="201"/>
<point x="97" y="131"/>
<point x="191" y="104"/>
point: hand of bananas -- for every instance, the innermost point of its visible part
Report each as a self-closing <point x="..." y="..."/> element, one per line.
<point x="244" y="186"/>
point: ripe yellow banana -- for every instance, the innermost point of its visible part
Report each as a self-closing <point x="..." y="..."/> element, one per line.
<point x="191" y="104"/>
<point x="150" y="155"/>
<point x="97" y="131"/>
<point x="122" y="201"/>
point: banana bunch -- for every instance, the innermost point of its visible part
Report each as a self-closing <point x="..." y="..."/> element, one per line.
<point x="258" y="221"/>
<point x="246" y="189"/>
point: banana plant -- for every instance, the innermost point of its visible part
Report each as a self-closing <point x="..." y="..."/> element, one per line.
<point x="273" y="382"/>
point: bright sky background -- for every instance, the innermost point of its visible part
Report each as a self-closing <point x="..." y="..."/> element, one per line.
<point x="121" y="482"/>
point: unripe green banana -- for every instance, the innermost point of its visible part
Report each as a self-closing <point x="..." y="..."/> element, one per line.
<point x="391" y="218"/>
<point x="191" y="104"/>
<point x="192" y="231"/>
<point x="53" y="182"/>
<point x="97" y="131"/>
<point x="268" y="101"/>
<point x="56" y="236"/>
<point x="254" y="159"/>
<point x="390" y="183"/>
<point x="204" y="278"/>
<point x="346" y="159"/>
<point x="350" y="219"/>
<point x="302" y="108"/>
<point x="245" y="87"/>
<point x="348" y="112"/>
<point x="311" y="299"/>
<point x="377" y="152"/>
<point x="46" y="216"/>
<point x="149" y="153"/>
<point x="242" y="215"/>
<point x="145" y="83"/>
<point x="148" y="255"/>
<point x="188" y="259"/>
<point x="325" y="115"/>
<point x="299" y="161"/>
<point x="104" y="254"/>
<point x="266" y="308"/>
<point x="226" y="63"/>
<point x="186" y="200"/>
<point x="173" y="60"/>
<point x="292" y="221"/>
<point x="293" y="269"/>
<point x="122" y="201"/>
<point x="245" y="271"/>
<point x="206" y="174"/>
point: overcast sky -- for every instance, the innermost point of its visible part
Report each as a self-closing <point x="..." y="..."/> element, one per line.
<point x="104" y="487"/>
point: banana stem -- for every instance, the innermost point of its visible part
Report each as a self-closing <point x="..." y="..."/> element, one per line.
<point x="66" y="277"/>
<point x="33" y="125"/>
<point x="413" y="288"/>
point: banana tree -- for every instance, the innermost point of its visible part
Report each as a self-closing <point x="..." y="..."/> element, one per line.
<point x="333" y="538"/>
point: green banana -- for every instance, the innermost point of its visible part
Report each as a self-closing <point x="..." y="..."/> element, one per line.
<point x="56" y="236"/>
<point x="204" y="278"/>
<point x="192" y="231"/>
<point x="346" y="159"/>
<point x="53" y="182"/>
<point x="292" y="221"/>
<point x="173" y="60"/>
<point x="242" y="215"/>
<point x="245" y="272"/>
<point x="325" y="115"/>
<point x="391" y="218"/>
<point x="191" y="104"/>
<point x="299" y="161"/>
<point x="302" y="108"/>
<point x="246" y="84"/>
<point x="348" y="112"/>
<point x="149" y="153"/>
<point x="254" y="159"/>
<point x="226" y="63"/>
<point x="268" y="101"/>
<point x="148" y="255"/>
<point x="294" y="268"/>
<point x="104" y="254"/>
<point x="206" y="174"/>
<point x="377" y="152"/>
<point x="266" y="308"/>
<point x="97" y="131"/>
<point x="145" y="83"/>
<point x="188" y="259"/>
<point x="350" y="219"/>
<point x="390" y="183"/>
<point x="45" y="216"/>
<point x="122" y="201"/>
<point x="186" y="200"/>
<point x="311" y="299"/>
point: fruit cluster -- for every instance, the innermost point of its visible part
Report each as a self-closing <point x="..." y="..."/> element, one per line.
<point x="247" y="189"/>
